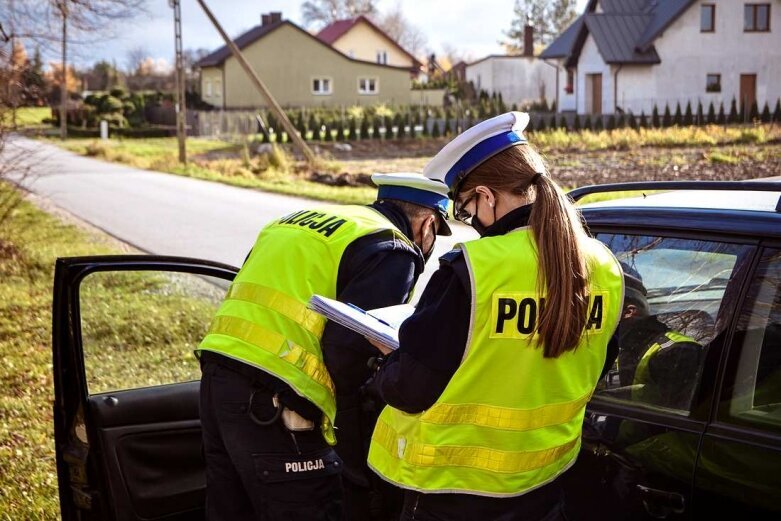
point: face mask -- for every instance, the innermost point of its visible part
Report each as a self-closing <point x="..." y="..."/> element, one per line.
<point x="479" y="227"/>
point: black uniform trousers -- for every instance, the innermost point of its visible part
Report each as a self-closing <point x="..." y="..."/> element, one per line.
<point x="261" y="472"/>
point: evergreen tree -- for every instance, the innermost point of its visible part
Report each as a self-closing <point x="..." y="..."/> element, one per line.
<point x="632" y="121"/>
<point x="711" y="114"/>
<point x="722" y="117"/>
<point x="621" y="120"/>
<point x="502" y="106"/>
<point x="435" y="129"/>
<point x="643" y="120"/>
<point x="678" y="118"/>
<point x="399" y="123"/>
<point x="655" y="118"/>
<point x="576" y="123"/>
<point x="754" y="114"/>
<point x="351" y="128"/>
<point x="327" y="134"/>
<point x="667" y="119"/>
<point x="552" y="124"/>
<point x="587" y="123"/>
<point x="530" y="126"/>
<point x="688" y="117"/>
<point x="777" y="111"/>
<point x="700" y="119"/>
<point x="733" y="112"/>
<point x="611" y="123"/>
<point x="378" y="124"/>
<point x="341" y="131"/>
<point x="598" y="125"/>
<point x="765" y="117"/>
<point x="541" y="126"/>
<point x="514" y="107"/>
<point x="364" y="128"/>
<point x="446" y="126"/>
<point x="563" y="123"/>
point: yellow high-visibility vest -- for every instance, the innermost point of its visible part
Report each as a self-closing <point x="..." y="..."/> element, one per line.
<point x="509" y="420"/>
<point x="264" y="320"/>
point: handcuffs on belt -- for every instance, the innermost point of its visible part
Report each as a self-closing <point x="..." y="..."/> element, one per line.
<point x="292" y="421"/>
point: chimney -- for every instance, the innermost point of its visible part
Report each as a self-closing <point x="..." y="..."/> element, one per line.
<point x="276" y="17"/>
<point x="265" y="19"/>
<point x="528" y="39"/>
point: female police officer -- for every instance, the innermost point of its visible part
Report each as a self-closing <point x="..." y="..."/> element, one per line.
<point x="488" y="390"/>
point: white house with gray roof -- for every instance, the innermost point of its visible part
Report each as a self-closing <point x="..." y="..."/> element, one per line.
<point x="629" y="55"/>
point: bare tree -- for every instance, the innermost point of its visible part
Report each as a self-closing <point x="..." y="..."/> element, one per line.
<point x="399" y="28"/>
<point x="135" y="59"/>
<point x="319" y="13"/>
<point x="65" y="22"/>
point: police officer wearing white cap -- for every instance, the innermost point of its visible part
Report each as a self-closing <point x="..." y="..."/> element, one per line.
<point x="280" y="386"/>
<point x="487" y="391"/>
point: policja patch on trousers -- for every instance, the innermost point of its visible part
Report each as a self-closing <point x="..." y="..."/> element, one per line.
<point x="273" y="468"/>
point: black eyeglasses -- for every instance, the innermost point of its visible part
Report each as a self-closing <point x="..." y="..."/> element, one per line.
<point x="459" y="209"/>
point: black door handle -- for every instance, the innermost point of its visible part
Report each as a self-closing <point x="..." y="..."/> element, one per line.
<point x="661" y="503"/>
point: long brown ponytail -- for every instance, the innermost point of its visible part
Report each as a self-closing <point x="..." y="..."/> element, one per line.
<point x="558" y="232"/>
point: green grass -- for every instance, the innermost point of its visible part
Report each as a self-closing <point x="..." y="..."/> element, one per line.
<point x="139" y="329"/>
<point x="27" y="117"/>
<point x="215" y="160"/>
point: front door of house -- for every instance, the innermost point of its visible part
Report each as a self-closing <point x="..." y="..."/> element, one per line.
<point x="748" y="90"/>
<point x="596" y="94"/>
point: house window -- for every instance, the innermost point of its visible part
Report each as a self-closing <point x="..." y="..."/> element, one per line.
<point x="382" y="57"/>
<point x="321" y="86"/>
<point x="570" y="87"/>
<point x="217" y="88"/>
<point x="707" y="18"/>
<point x="756" y="18"/>
<point x="209" y="91"/>
<point x="368" y="86"/>
<point x="713" y="83"/>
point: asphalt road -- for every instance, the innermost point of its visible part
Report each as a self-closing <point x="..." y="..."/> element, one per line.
<point x="165" y="214"/>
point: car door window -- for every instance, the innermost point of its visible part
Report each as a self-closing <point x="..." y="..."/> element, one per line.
<point x="674" y="290"/>
<point x="752" y="393"/>
<point x="139" y="328"/>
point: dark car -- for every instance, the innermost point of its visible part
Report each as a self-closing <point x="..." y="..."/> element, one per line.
<point x="685" y="428"/>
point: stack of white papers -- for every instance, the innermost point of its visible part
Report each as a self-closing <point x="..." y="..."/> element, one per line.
<point x="380" y="325"/>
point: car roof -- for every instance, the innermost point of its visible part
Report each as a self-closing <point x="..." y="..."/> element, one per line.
<point x="723" y="200"/>
<point x="746" y="212"/>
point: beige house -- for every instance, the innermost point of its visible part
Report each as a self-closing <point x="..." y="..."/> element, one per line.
<point x="299" y="70"/>
<point x="359" y="38"/>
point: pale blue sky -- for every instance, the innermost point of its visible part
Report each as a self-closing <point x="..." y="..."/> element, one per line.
<point x="473" y="27"/>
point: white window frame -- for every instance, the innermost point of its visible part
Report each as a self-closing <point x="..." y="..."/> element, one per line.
<point x="320" y="79"/>
<point x="208" y="88"/>
<point x="218" y="88"/>
<point x="382" y="57"/>
<point x="365" y="92"/>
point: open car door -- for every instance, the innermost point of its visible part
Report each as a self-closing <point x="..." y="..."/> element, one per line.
<point x="126" y="422"/>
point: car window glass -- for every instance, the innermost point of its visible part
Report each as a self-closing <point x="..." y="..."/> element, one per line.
<point x="674" y="289"/>
<point x="139" y="328"/>
<point x="753" y="393"/>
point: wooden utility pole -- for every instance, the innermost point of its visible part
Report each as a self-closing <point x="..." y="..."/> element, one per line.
<point x="256" y="81"/>
<point x="63" y="5"/>
<point x="181" y="109"/>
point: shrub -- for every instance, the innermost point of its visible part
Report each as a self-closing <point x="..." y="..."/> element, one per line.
<point x="279" y="159"/>
<point x="118" y="92"/>
<point x="376" y="134"/>
<point x="110" y="104"/>
<point x="632" y="121"/>
<point x="96" y="149"/>
<point x="435" y="129"/>
<point x="777" y="111"/>
<point x="563" y="123"/>
<point x="655" y="118"/>
<point x="700" y="119"/>
<point x="598" y="125"/>
<point x="754" y="114"/>
<point x="540" y="124"/>
<point x="576" y="123"/>
<point x="611" y="123"/>
<point x="643" y="120"/>
<point x="711" y="114"/>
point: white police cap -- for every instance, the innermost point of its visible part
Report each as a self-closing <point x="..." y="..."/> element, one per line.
<point x="474" y="146"/>
<point x="415" y="188"/>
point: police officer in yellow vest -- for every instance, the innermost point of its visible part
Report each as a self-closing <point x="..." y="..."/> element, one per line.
<point x="661" y="365"/>
<point x="269" y="396"/>
<point x="487" y="392"/>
